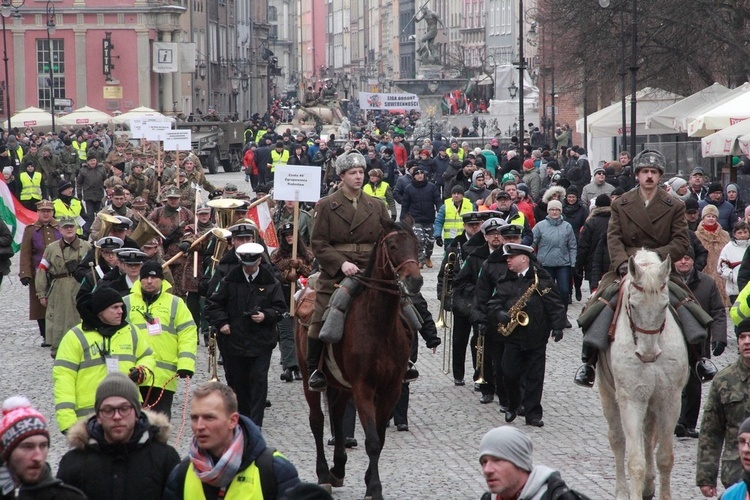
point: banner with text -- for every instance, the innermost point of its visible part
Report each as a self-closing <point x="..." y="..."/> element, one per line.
<point x="368" y="100"/>
<point x="296" y="183"/>
<point x="178" y="140"/>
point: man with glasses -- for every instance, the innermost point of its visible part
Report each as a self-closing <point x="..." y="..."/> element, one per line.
<point x="121" y="451"/>
<point x="739" y="490"/>
<point x="597" y="186"/>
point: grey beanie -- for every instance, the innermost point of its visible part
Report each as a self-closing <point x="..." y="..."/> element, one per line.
<point x="744" y="427"/>
<point x="118" y="384"/>
<point x="508" y="443"/>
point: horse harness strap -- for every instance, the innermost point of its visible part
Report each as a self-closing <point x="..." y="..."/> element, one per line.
<point x="613" y="324"/>
<point x="636" y="329"/>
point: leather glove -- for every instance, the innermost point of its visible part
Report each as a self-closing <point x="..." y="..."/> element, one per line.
<point x="184" y="247"/>
<point x="71" y="266"/>
<point x="557" y="335"/>
<point x="184" y="373"/>
<point x="137" y="374"/>
<point x="623" y="269"/>
<point x="439" y="241"/>
<point x="25" y="281"/>
<point x="717" y="348"/>
<point x="503" y="318"/>
<point x="291" y="276"/>
<point x="294" y="263"/>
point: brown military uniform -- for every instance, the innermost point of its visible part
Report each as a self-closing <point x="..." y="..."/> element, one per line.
<point x="342" y="233"/>
<point x="167" y="221"/>
<point x="32" y="250"/>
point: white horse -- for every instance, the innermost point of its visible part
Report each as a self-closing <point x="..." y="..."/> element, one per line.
<point x="641" y="378"/>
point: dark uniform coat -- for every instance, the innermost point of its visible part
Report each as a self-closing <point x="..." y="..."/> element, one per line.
<point x="338" y="230"/>
<point x="36" y="237"/>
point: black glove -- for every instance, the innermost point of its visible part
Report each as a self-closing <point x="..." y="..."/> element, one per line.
<point x="71" y="266"/>
<point x="439" y="241"/>
<point x="481" y="329"/>
<point x="557" y="335"/>
<point x="717" y="348"/>
<point x="623" y="269"/>
<point x="25" y="281"/>
<point x="137" y="374"/>
<point x="503" y="318"/>
<point x="184" y="247"/>
<point x="185" y="373"/>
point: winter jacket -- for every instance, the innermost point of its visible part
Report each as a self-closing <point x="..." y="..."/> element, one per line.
<point x="90" y="183"/>
<point x="46" y="488"/>
<point x="400" y="187"/>
<point x="575" y="214"/>
<point x="233" y="303"/>
<point x="422" y="201"/>
<point x="283" y="470"/>
<point x="705" y="292"/>
<point x="477" y="195"/>
<point x="555" y="242"/>
<point x="490" y="161"/>
<point x="714" y="243"/>
<point x="540" y="212"/>
<point x="593" y="230"/>
<point x="591" y="190"/>
<point x="726" y="213"/>
<point x="532" y="179"/>
<point x="442" y="165"/>
<point x="136" y="469"/>
<point x="730" y="259"/>
<point x="599" y="263"/>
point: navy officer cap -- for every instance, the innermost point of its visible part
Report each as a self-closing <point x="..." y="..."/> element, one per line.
<point x="511" y="230"/>
<point x="243" y="229"/>
<point x="493" y="224"/>
<point x="249" y="253"/>
<point x="472" y="217"/>
<point x="109" y="243"/>
<point x="517" y="249"/>
<point x="131" y="256"/>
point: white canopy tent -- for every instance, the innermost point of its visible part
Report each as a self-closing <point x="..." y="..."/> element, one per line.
<point x="30" y="117"/>
<point x="722" y="115"/>
<point x="84" y="116"/>
<point x="674" y="116"/>
<point x="140" y="112"/>
<point x="727" y="141"/>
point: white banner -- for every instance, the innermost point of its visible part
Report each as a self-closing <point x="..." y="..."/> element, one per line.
<point x="178" y="140"/>
<point x="296" y="183"/>
<point x="156" y="131"/>
<point x="166" y="57"/>
<point x="403" y="101"/>
<point x="138" y="126"/>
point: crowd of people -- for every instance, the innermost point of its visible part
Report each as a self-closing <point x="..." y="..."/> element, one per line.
<point x="126" y="275"/>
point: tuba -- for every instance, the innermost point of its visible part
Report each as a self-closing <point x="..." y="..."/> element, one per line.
<point x="224" y="208"/>
<point x="145" y="231"/>
<point x="444" y="321"/>
<point x="108" y="220"/>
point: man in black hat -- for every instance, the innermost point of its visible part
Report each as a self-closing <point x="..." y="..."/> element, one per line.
<point x="244" y="309"/>
<point x="715" y="197"/>
<point x="421" y="201"/>
<point x="31" y="186"/>
<point x="525" y="344"/>
<point x="66" y="205"/>
<point x="692" y="213"/>
<point x="99" y="261"/>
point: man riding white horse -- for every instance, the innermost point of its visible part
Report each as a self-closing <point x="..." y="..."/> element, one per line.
<point x="645" y="217"/>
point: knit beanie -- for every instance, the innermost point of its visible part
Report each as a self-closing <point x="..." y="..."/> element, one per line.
<point x="508" y="443"/>
<point x="744" y="427"/>
<point x="118" y="384"/>
<point x="709" y="209"/>
<point x="554" y="204"/>
<point x="102" y="298"/>
<point x="677" y="183"/>
<point x="152" y="268"/>
<point x="528" y="164"/>
<point x="572" y="190"/>
<point x="732" y="187"/>
<point x="743" y="327"/>
<point x="19" y="421"/>
<point x="715" y="187"/>
<point x="603" y="200"/>
<point x="476" y="175"/>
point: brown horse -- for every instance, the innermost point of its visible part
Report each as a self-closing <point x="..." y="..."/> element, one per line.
<point x="372" y="355"/>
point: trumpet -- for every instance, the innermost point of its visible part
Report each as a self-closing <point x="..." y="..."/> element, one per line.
<point x="443" y="321"/>
<point x="213" y="357"/>
<point x="480" y="356"/>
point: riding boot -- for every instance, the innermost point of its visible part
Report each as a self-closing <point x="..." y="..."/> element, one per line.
<point x="704" y="368"/>
<point x="411" y="373"/>
<point x="586" y="374"/>
<point x="317" y="381"/>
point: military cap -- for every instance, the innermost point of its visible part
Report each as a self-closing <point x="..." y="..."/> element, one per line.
<point x="494" y="224"/>
<point x="45" y="205"/>
<point x="118" y="191"/>
<point x="140" y="202"/>
<point x="242" y="207"/>
<point x="243" y="229"/>
<point x="203" y="209"/>
<point x="230" y="188"/>
<point x="182" y="173"/>
<point x="109" y="243"/>
<point x="472" y="217"/>
<point x="153" y="242"/>
<point x="349" y="160"/>
<point x="131" y="256"/>
<point x="249" y="253"/>
<point x="517" y="249"/>
<point x="173" y="192"/>
<point x="67" y="221"/>
<point x="511" y="230"/>
<point x="287" y="228"/>
<point x="125" y="223"/>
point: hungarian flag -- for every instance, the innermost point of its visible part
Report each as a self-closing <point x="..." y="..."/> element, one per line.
<point x="15" y="215"/>
<point x="261" y="215"/>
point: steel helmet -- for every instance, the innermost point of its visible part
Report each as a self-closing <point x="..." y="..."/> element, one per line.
<point x="650" y="158"/>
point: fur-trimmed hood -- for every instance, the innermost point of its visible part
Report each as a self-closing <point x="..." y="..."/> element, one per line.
<point x="551" y="191"/>
<point x="150" y="425"/>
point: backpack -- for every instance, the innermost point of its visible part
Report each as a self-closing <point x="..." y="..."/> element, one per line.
<point x="558" y="490"/>
<point x="264" y="462"/>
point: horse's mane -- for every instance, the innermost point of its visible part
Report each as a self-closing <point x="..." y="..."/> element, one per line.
<point x="649" y="263"/>
<point x="398" y="226"/>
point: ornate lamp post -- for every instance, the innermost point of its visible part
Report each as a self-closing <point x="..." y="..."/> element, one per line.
<point x="50" y="31"/>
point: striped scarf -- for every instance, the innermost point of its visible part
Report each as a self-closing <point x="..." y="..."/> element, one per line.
<point x="220" y="474"/>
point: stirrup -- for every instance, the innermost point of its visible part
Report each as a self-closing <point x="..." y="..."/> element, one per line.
<point x="411" y="374"/>
<point x="317" y="381"/>
<point x="706" y="370"/>
<point x="585" y="376"/>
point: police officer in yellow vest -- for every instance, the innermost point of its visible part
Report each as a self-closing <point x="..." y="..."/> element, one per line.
<point x="224" y="442"/>
<point x="448" y="221"/>
<point x="31" y="186"/>
<point x="378" y="188"/>
<point x="102" y="343"/>
<point x="279" y="156"/>
<point x="167" y="322"/>
<point x="68" y="206"/>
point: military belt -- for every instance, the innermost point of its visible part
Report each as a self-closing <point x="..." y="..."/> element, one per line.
<point x="59" y="276"/>
<point x="354" y="247"/>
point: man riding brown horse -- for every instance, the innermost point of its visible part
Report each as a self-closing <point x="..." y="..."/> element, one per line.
<point x="345" y="228"/>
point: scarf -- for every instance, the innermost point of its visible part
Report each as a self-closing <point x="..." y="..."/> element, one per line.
<point x="710" y="229"/>
<point x="220" y="474"/>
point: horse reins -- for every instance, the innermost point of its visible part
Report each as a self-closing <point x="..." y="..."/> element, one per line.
<point x="636" y="329"/>
<point x="382" y="285"/>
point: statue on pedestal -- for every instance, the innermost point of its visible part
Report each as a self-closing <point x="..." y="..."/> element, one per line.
<point x="427" y="51"/>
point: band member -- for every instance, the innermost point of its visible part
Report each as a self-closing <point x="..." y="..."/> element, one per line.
<point x="525" y="289"/>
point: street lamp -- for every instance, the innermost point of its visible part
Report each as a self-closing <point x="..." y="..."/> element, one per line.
<point x="6" y="9"/>
<point x="50" y="31"/>
<point x="513" y="90"/>
<point x="633" y="72"/>
<point x="521" y="68"/>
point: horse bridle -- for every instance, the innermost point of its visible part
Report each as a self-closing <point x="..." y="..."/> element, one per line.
<point x="393" y="286"/>
<point x="636" y="329"/>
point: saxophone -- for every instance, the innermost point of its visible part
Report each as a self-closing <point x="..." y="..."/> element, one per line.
<point x="517" y="314"/>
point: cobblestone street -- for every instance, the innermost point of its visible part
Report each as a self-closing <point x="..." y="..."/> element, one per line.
<point x="437" y="458"/>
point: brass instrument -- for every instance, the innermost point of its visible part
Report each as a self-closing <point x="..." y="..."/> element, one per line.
<point x="145" y="231"/>
<point x="213" y="355"/>
<point x="480" y="358"/>
<point x="517" y="314"/>
<point x="108" y="220"/>
<point x="224" y="210"/>
<point x="444" y="321"/>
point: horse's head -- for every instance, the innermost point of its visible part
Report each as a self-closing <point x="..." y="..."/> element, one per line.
<point x="401" y="251"/>
<point x="647" y="301"/>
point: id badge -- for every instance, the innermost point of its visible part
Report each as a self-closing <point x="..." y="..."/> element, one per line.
<point x="80" y="221"/>
<point x="452" y="233"/>
<point x="113" y="364"/>
<point x="154" y="328"/>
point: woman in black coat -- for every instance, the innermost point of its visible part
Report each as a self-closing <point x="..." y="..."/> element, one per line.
<point x="593" y="230"/>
